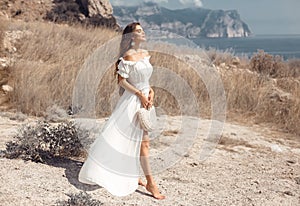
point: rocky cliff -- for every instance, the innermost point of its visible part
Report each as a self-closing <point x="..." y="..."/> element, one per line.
<point x="191" y="23"/>
<point x="89" y="12"/>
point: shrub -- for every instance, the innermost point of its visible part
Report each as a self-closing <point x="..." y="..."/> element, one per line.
<point x="267" y="64"/>
<point x="81" y="199"/>
<point x="41" y="142"/>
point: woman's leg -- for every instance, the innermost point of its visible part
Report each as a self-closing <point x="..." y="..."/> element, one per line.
<point x="144" y="157"/>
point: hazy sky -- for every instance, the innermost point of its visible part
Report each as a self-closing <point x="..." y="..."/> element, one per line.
<point x="262" y="16"/>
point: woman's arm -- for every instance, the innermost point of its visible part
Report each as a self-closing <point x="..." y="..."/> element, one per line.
<point x="127" y="86"/>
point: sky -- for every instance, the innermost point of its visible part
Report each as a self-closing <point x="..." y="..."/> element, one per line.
<point x="262" y="16"/>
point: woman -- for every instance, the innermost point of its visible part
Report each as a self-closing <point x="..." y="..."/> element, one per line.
<point x="115" y="156"/>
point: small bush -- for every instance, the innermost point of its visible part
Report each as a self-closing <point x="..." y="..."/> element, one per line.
<point x="267" y="64"/>
<point x="41" y="142"/>
<point x="81" y="199"/>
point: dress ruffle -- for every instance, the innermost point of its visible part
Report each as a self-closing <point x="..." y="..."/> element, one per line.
<point x="125" y="66"/>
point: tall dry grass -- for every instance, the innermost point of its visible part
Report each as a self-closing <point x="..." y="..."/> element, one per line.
<point x="3" y="27"/>
<point x="51" y="56"/>
<point x="169" y="101"/>
<point x="269" y="90"/>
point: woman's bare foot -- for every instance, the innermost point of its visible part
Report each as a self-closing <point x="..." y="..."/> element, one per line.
<point x="141" y="183"/>
<point x="152" y="188"/>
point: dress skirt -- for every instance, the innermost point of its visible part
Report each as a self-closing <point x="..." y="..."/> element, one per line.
<point x="114" y="158"/>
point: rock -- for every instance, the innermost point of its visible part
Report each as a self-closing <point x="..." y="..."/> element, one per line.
<point x="82" y="17"/>
<point x="297" y="179"/>
<point x="7" y="88"/>
<point x="194" y="164"/>
<point x="288" y="193"/>
<point x="88" y="12"/>
<point x="276" y="148"/>
<point x="3" y="63"/>
<point x="291" y="161"/>
<point x="97" y="7"/>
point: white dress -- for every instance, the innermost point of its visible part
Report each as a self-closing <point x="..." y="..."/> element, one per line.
<point x="113" y="160"/>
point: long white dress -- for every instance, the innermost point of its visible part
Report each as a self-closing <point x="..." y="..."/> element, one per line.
<point x="113" y="160"/>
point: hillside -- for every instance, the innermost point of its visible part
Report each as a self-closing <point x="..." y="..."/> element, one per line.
<point x="87" y="12"/>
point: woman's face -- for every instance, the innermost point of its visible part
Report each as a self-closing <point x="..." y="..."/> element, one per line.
<point x="139" y="34"/>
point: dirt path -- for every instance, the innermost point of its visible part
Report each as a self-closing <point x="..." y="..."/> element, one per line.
<point x="250" y="166"/>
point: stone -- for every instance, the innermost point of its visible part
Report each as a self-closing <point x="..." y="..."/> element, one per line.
<point x="88" y="12"/>
<point x="297" y="179"/>
<point x="7" y="88"/>
<point x="97" y="7"/>
<point x="276" y="148"/>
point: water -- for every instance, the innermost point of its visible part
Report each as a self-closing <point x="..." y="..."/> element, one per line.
<point x="287" y="46"/>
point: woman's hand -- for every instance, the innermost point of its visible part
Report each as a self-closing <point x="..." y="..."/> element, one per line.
<point x="150" y="98"/>
<point x="144" y="101"/>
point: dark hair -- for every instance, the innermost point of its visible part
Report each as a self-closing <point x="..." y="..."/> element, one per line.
<point x="126" y="41"/>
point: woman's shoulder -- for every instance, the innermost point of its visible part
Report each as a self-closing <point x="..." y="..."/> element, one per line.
<point x="129" y="56"/>
<point x="132" y="55"/>
<point x="144" y="52"/>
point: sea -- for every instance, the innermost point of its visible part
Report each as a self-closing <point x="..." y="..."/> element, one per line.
<point x="287" y="46"/>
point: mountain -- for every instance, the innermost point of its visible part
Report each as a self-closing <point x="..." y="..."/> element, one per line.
<point x="189" y="22"/>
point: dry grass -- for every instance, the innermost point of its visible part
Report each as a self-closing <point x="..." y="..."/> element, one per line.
<point x="280" y="104"/>
<point x="168" y="98"/>
<point x="218" y="57"/>
<point x="293" y="68"/>
<point x="267" y="99"/>
<point x="52" y="55"/>
<point x="3" y="27"/>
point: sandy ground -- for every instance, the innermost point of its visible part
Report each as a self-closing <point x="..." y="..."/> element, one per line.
<point x="250" y="166"/>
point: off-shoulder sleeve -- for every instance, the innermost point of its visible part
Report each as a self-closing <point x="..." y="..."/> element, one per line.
<point x="124" y="68"/>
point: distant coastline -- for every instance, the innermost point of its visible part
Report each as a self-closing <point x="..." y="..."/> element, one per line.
<point x="285" y="45"/>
